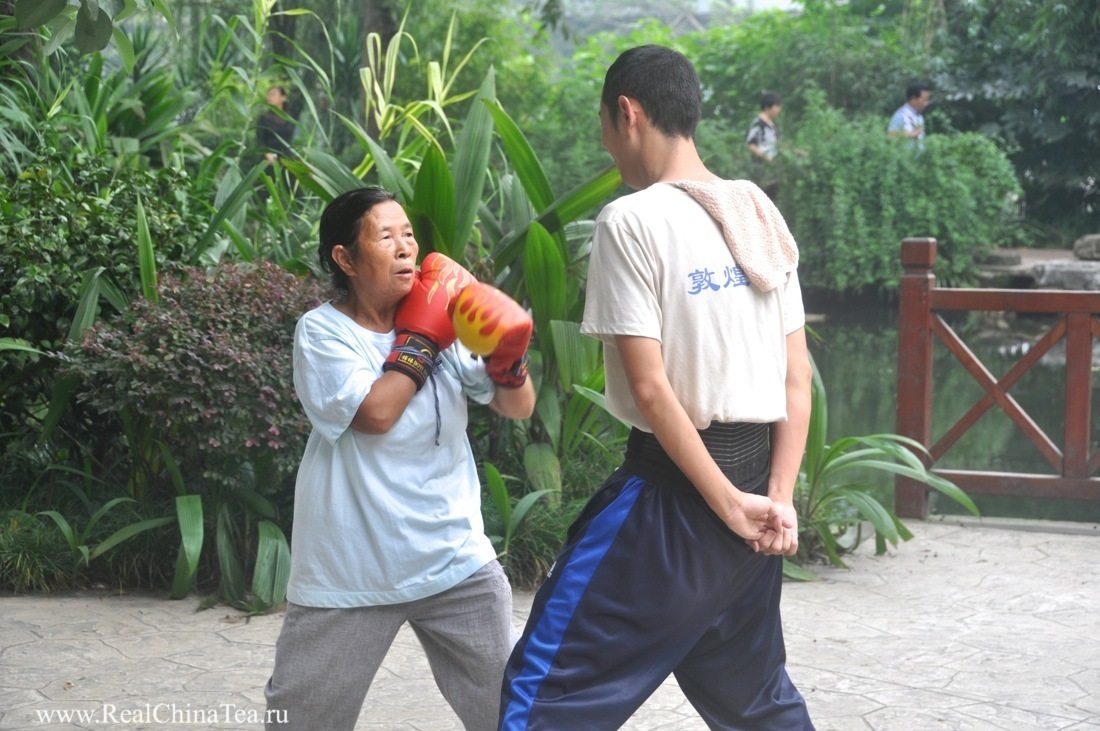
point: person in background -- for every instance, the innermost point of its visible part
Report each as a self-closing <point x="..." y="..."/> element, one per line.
<point x="908" y="120"/>
<point x="274" y="129"/>
<point x="387" y="504"/>
<point x="763" y="143"/>
<point x="675" y="564"/>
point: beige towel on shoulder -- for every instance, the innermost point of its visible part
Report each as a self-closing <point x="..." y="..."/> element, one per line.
<point x="754" y="229"/>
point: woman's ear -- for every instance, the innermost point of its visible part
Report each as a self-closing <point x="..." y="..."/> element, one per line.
<point x="344" y="258"/>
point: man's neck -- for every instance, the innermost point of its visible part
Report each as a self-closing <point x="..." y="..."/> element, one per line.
<point x="675" y="159"/>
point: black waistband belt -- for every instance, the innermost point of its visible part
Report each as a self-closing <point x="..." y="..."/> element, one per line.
<point x="742" y="451"/>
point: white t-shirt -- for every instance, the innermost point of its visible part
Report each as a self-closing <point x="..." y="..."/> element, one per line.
<point x="388" y="518"/>
<point x="660" y="268"/>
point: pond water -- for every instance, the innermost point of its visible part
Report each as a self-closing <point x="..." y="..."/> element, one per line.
<point x="857" y="353"/>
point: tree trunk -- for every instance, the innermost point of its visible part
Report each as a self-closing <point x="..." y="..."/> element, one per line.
<point x="28" y="51"/>
<point x="380" y="16"/>
<point x="282" y="29"/>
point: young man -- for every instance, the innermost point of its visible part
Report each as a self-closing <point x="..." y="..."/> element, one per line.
<point x="763" y="143"/>
<point x="675" y="565"/>
<point x="908" y="120"/>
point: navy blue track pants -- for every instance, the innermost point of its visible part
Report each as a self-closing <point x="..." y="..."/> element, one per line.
<point x="651" y="582"/>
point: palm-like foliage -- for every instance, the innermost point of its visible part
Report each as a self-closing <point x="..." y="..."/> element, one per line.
<point x="837" y="494"/>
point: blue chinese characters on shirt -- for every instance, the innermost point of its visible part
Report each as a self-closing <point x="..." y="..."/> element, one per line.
<point x="704" y="280"/>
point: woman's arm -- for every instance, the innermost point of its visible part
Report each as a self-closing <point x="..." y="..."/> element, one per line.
<point x="514" y="403"/>
<point x="384" y="403"/>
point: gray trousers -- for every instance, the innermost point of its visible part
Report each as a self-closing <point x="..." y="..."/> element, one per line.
<point x="325" y="659"/>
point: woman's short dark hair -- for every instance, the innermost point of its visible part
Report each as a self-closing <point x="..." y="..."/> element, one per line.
<point x="341" y="222"/>
<point x="663" y="81"/>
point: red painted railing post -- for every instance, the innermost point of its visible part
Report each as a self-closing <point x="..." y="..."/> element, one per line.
<point x="1075" y="453"/>
<point x="918" y="256"/>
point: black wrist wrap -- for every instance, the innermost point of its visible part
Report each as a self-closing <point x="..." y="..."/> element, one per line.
<point x="414" y="355"/>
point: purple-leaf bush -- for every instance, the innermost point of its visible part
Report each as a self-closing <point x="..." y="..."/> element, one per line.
<point x="206" y="370"/>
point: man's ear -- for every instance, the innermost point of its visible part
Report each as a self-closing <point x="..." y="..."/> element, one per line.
<point x="628" y="110"/>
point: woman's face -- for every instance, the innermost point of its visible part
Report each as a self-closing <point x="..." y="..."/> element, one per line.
<point x="383" y="266"/>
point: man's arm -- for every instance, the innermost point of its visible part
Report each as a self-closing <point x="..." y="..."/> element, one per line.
<point x="789" y="443"/>
<point x="753" y="142"/>
<point x="757" y="152"/>
<point x="750" y="516"/>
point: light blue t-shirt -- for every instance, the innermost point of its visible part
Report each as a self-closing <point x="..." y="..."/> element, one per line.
<point x="389" y="518"/>
<point x="906" y="119"/>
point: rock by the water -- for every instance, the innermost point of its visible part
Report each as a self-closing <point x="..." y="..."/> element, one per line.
<point x="1087" y="247"/>
<point x="1068" y="275"/>
<point x="1003" y="258"/>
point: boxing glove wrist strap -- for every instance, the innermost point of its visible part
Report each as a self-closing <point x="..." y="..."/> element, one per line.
<point x="514" y="377"/>
<point x="413" y="355"/>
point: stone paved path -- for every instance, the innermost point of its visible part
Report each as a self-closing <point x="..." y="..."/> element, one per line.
<point x="969" y="627"/>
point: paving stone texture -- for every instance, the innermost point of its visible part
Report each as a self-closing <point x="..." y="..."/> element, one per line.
<point x="968" y="626"/>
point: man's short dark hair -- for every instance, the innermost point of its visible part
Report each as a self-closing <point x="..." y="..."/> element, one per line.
<point x="663" y="81"/>
<point x="770" y="99"/>
<point x="916" y="89"/>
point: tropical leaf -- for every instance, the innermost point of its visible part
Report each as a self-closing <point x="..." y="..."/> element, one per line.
<point x="819" y="421"/>
<point x="231" y="587"/>
<point x="563" y="211"/>
<point x="232" y="204"/>
<point x="543" y="469"/>
<point x="127" y="532"/>
<point x="17" y="344"/>
<point x="33" y="13"/>
<point x="272" y="570"/>
<point x="548" y="409"/>
<point x="522" y="157"/>
<point x="577" y="356"/>
<point x="472" y="161"/>
<point x="795" y="572"/>
<point x="147" y="260"/>
<point x="499" y="493"/>
<point x="189" y="517"/>
<point x="434" y="195"/>
<point x="544" y="272"/>
<point x="93" y="28"/>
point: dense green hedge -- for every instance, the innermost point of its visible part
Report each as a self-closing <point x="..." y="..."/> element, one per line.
<point x="60" y="222"/>
<point x="851" y="194"/>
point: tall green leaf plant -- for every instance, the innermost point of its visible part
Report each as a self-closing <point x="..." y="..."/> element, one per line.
<point x="837" y="495"/>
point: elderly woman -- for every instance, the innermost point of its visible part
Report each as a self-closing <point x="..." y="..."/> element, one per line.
<point x="387" y="506"/>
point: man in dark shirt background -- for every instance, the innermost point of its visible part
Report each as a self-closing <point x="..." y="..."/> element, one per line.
<point x="274" y="129"/>
<point x="763" y="143"/>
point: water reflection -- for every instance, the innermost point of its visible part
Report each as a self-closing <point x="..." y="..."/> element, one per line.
<point x="857" y="356"/>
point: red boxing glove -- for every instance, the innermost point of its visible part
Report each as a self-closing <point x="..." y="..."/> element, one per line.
<point x="492" y="324"/>
<point x="427" y="309"/>
<point x="423" y="318"/>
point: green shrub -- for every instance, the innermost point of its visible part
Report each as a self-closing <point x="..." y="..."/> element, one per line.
<point x="851" y="194"/>
<point x="206" y="371"/>
<point x="54" y="230"/>
<point x="33" y="555"/>
<point x="58" y="227"/>
<point x="535" y="546"/>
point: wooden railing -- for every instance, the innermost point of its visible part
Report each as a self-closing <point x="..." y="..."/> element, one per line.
<point x="920" y="323"/>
